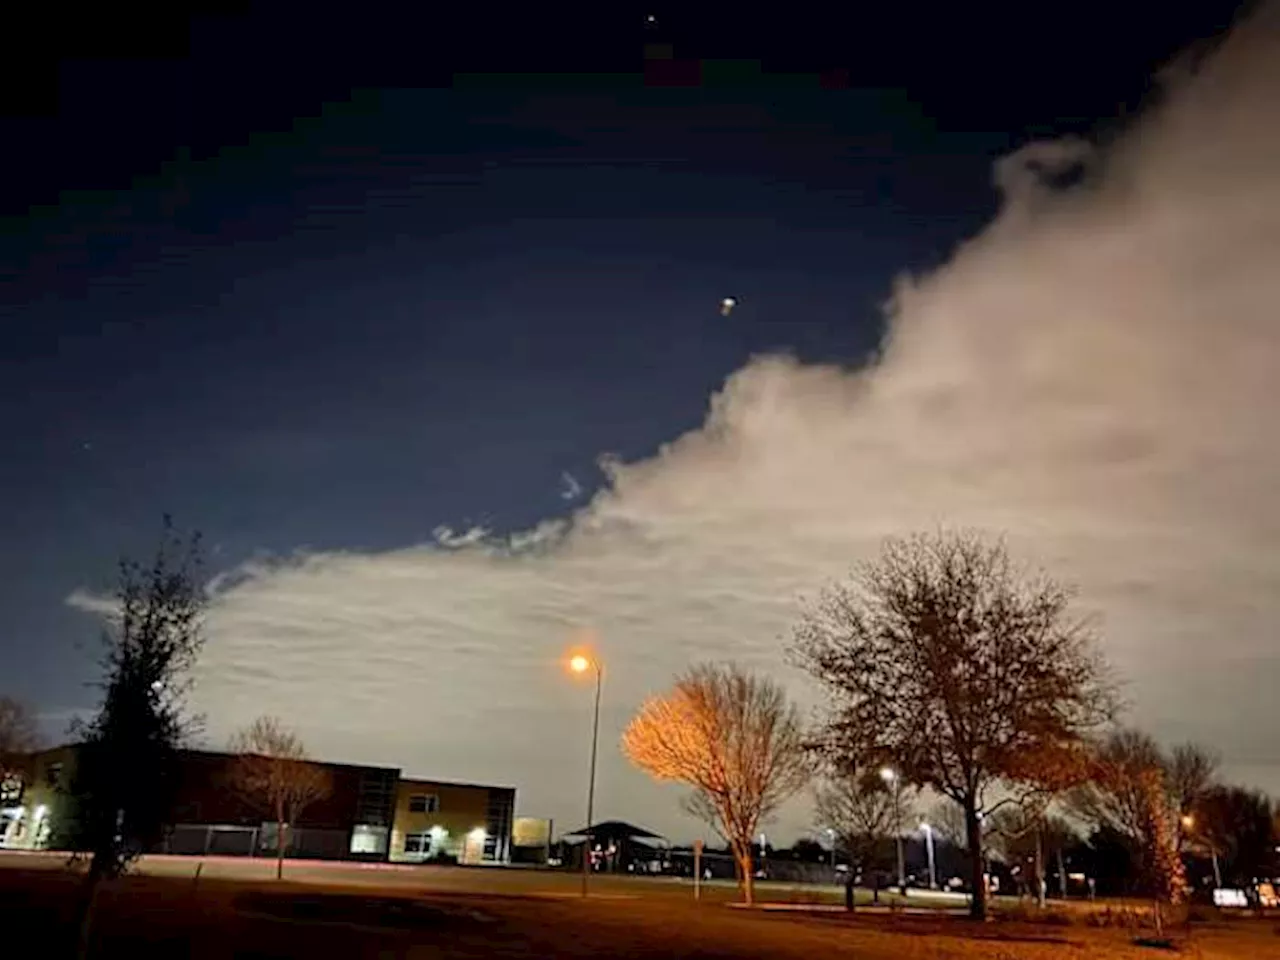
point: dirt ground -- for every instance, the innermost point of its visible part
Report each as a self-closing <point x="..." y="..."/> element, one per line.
<point x="158" y="916"/>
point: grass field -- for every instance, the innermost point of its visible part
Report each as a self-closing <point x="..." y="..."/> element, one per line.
<point x="454" y="913"/>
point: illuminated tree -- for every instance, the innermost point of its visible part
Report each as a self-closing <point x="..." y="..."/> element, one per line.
<point x="735" y="740"/>
<point x="966" y="678"/>
<point x="1163" y="873"/>
<point x="272" y="769"/>
<point x="1122" y="768"/>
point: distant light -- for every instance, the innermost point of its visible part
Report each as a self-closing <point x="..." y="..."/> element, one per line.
<point x="888" y="775"/>
<point x="40" y="812"/>
<point x="1188" y="821"/>
<point x="579" y="664"/>
<point x="727" y="305"/>
<point x="477" y="835"/>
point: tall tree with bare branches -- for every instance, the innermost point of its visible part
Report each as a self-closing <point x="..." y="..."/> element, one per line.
<point x="19" y="735"/>
<point x="866" y="813"/>
<point x="272" y="769"/>
<point x="944" y="661"/>
<point x="735" y="739"/>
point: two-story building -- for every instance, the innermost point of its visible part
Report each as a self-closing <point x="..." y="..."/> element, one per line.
<point x="368" y="813"/>
<point x="465" y="822"/>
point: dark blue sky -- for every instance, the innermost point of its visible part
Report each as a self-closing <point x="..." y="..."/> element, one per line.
<point x="332" y="284"/>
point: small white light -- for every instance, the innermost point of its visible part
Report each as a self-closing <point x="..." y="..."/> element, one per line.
<point x="40" y="812"/>
<point x="477" y="834"/>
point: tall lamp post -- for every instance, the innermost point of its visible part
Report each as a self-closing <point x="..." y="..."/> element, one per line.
<point x="581" y="664"/>
<point x="890" y="776"/>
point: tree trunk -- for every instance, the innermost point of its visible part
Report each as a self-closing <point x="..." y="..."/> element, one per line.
<point x="85" y="909"/>
<point x="280" y="828"/>
<point x="1040" y="883"/>
<point x="977" y="873"/>
<point x="848" y="889"/>
<point x="1062" y="874"/>
<point x="743" y="853"/>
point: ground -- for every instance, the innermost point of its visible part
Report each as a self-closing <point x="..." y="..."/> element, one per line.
<point x="233" y="910"/>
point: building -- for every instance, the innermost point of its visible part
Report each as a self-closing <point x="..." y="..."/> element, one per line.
<point x="617" y="847"/>
<point x="452" y="822"/>
<point x="370" y="813"/>
<point x="32" y="803"/>
<point x="211" y="817"/>
<point x="531" y="840"/>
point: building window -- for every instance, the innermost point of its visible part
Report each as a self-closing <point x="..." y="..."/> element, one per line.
<point x="11" y="789"/>
<point x="419" y="843"/>
<point x="368" y="839"/>
<point x="424" y="803"/>
<point x="52" y="774"/>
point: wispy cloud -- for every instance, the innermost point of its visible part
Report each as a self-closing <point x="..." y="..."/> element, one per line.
<point x="1095" y="374"/>
<point x="570" y="488"/>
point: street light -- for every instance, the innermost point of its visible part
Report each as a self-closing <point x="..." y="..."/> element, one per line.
<point x="581" y="664"/>
<point x="928" y="839"/>
<point x="890" y="776"/>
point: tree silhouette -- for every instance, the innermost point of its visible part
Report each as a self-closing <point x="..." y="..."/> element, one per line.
<point x="944" y="663"/>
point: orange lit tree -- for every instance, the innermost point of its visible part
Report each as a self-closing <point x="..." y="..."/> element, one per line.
<point x="272" y="769"/>
<point x="735" y="740"/>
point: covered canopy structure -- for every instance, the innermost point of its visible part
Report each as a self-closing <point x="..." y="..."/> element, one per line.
<point x="617" y="846"/>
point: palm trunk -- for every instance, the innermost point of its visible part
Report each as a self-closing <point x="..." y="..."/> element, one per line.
<point x="977" y="873"/>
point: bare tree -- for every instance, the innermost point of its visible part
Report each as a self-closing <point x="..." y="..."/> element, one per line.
<point x="865" y="812"/>
<point x="1114" y="794"/>
<point x="19" y="736"/>
<point x="1123" y="768"/>
<point x="735" y="740"/>
<point x="1032" y="833"/>
<point x="1190" y="772"/>
<point x="969" y="679"/>
<point x="272" y="769"/>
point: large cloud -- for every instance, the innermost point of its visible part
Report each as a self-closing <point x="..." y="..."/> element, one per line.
<point x="1096" y="375"/>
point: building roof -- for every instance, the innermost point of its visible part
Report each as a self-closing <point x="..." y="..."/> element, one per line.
<point x="617" y="828"/>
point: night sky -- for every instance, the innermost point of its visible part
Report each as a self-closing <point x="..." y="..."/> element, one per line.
<point x="321" y="287"/>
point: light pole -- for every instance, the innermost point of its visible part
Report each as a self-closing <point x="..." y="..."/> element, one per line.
<point x="890" y="776"/>
<point x="581" y="664"/>
<point x="928" y="841"/>
<point x="1189" y="822"/>
<point x="831" y="835"/>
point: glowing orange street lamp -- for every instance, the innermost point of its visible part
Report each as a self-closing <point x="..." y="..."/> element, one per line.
<point x="580" y="663"/>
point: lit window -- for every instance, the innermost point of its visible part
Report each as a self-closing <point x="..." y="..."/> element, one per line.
<point x="368" y="839"/>
<point x="419" y="843"/>
<point x="423" y="803"/>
